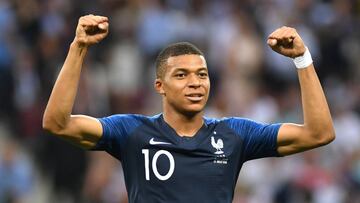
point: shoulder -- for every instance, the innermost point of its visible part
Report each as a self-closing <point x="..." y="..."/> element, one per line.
<point x="244" y="126"/>
<point x="235" y="122"/>
<point x="127" y="121"/>
<point x="131" y="118"/>
<point x="229" y="121"/>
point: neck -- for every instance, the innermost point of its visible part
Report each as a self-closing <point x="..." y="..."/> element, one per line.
<point x="184" y="125"/>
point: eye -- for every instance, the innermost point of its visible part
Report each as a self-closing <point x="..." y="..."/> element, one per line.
<point x="180" y="75"/>
<point x="203" y="74"/>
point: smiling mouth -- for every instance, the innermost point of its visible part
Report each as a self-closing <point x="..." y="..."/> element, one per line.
<point x="194" y="97"/>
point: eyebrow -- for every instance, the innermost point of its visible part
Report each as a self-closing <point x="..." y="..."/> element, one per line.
<point x="187" y="70"/>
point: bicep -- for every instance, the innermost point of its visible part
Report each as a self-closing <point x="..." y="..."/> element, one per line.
<point x="258" y="140"/>
<point x="294" y="138"/>
<point x="83" y="131"/>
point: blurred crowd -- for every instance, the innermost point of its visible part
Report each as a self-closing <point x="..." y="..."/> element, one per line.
<point x="248" y="80"/>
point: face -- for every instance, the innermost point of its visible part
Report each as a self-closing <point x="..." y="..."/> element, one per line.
<point x="185" y="85"/>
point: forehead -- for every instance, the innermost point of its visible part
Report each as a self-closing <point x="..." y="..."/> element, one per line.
<point x="188" y="61"/>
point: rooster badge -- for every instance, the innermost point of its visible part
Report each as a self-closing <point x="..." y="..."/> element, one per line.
<point x="218" y="145"/>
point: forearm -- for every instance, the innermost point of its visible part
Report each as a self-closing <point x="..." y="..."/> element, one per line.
<point x="317" y="118"/>
<point x="61" y="101"/>
<point x="317" y="129"/>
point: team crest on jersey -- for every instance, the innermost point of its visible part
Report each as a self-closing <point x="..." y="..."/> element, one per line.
<point x="218" y="145"/>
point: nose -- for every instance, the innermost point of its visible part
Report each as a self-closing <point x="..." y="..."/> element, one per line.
<point x="194" y="81"/>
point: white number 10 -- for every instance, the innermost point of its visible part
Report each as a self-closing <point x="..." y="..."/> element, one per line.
<point x="154" y="166"/>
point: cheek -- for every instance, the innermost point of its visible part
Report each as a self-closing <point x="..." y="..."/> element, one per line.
<point x="207" y="85"/>
<point x="174" y="89"/>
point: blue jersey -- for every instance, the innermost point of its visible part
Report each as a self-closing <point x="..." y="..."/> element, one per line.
<point x="161" y="166"/>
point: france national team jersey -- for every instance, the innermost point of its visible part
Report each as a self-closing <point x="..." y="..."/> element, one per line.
<point x="160" y="166"/>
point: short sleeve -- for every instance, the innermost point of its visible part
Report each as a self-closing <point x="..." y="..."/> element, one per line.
<point x="258" y="139"/>
<point x="116" y="130"/>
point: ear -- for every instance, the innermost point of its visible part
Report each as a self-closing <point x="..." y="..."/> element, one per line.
<point x="158" y="85"/>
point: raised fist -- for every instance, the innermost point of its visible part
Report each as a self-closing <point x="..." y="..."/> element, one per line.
<point x="286" y="41"/>
<point x="91" y="29"/>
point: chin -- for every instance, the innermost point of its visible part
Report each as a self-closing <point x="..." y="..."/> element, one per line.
<point x="193" y="110"/>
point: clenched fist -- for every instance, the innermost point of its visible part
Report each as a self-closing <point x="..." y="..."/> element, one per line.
<point x="91" y="29"/>
<point x="286" y="41"/>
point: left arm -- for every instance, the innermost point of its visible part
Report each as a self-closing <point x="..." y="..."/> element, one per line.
<point x="317" y="129"/>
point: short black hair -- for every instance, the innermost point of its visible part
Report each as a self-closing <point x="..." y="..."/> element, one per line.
<point x="176" y="49"/>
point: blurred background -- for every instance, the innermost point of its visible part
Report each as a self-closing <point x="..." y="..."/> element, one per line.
<point x="248" y="80"/>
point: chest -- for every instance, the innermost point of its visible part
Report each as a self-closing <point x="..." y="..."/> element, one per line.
<point x="157" y="156"/>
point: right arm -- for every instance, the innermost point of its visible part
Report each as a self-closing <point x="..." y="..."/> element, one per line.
<point x="80" y="130"/>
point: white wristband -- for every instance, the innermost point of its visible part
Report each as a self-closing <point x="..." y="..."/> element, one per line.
<point x="304" y="60"/>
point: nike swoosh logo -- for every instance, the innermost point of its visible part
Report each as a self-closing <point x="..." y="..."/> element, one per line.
<point x="153" y="142"/>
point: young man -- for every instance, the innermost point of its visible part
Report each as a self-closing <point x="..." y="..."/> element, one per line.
<point x="180" y="156"/>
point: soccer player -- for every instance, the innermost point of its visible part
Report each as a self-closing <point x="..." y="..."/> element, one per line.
<point x="179" y="155"/>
